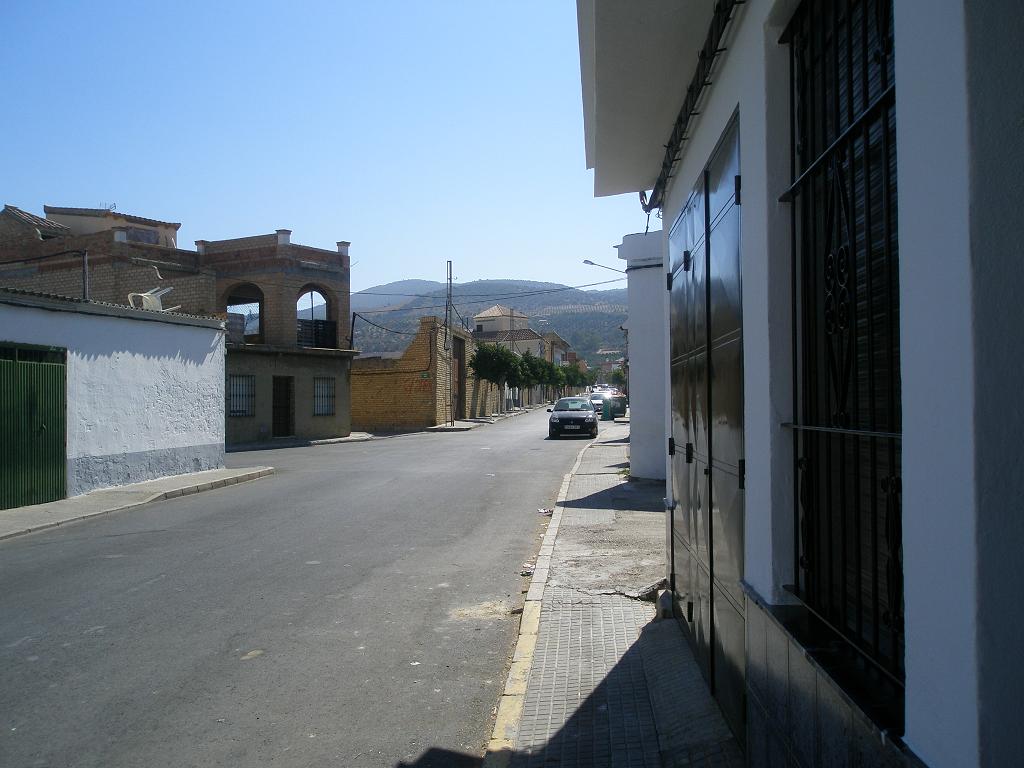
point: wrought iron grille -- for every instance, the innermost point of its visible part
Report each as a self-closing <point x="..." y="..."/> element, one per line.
<point x="323" y="396"/>
<point x="241" y="395"/>
<point x="846" y="324"/>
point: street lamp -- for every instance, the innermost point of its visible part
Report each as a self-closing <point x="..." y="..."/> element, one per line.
<point x="595" y="264"/>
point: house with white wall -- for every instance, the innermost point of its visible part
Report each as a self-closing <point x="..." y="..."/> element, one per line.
<point x="508" y="328"/>
<point x="97" y="395"/>
<point x="838" y="184"/>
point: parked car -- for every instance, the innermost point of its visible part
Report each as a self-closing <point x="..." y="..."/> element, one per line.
<point x="618" y="402"/>
<point x="572" y="416"/>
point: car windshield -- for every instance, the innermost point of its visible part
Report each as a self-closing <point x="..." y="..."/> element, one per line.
<point x="598" y="396"/>
<point x="573" y="404"/>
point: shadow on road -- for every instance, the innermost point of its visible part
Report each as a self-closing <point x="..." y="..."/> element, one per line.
<point x="435" y="757"/>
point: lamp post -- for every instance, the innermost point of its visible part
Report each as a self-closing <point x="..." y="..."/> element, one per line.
<point x="602" y="266"/>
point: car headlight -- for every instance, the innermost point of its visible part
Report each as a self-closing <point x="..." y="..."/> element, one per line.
<point x="554" y="419"/>
<point x="589" y="417"/>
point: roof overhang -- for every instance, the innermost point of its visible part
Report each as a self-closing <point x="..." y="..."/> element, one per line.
<point x="636" y="59"/>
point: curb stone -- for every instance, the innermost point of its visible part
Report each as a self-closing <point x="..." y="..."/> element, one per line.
<point x="173" y="493"/>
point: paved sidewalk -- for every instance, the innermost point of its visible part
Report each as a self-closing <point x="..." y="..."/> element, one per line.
<point x="22" y="520"/>
<point x="595" y="680"/>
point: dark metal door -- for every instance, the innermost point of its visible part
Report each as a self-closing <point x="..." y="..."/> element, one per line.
<point x="284" y="406"/>
<point x="707" y="424"/>
<point x="33" y="406"/>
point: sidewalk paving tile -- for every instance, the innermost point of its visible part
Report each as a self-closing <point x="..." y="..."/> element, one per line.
<point x="607" y="685"/>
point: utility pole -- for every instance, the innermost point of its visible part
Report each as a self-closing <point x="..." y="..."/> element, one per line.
<point x="448" y="345"/>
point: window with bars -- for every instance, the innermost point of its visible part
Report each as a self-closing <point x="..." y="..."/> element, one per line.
<point x="323" y="396"/>
<point x="240" y="394"/>
<point x="848" y="529"/>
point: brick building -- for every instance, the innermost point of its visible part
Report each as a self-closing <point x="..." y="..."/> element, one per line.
<point x="287" y="360"/>
<point x="411" y="391"/>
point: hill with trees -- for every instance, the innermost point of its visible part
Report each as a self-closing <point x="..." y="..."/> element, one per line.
<point x="588" y="319"/>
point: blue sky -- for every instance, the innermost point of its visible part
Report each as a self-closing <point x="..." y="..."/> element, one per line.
<point x="420" y="131"/>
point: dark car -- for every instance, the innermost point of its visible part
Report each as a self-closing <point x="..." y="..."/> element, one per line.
<point x="572" y="416"/>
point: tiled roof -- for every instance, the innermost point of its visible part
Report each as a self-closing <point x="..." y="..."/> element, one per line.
<point x="518" y="334"/>
<point x="43" y="225"/>
<point x="104" y="213"/>
<point x="554" y="338"/>
<point x="498" y="311"/>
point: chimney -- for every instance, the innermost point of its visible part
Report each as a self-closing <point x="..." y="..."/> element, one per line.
<point x="200" y="247"/>
<point x="343" y="247"/>
<point x="284" y="236"/>
<point x="120" y="234"/>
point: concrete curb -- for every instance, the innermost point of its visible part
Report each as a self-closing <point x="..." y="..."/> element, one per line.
<point x="358" y="437"/>
<point x="501" y="746"/>
<point x="187" y="490"/>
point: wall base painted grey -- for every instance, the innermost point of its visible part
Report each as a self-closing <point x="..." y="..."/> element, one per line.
<point x="87" y="473"/>
<point x="796" y="713"/>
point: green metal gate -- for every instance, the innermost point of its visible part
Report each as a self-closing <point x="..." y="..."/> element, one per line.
<point x="33" y="406"/>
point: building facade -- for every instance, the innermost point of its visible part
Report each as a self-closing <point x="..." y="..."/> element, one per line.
<point x="96" y="395"/>
<point x="842" y="357"/>
<point x="286" y="305"/>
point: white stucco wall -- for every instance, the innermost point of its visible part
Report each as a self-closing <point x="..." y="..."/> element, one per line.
<point x="647" y="359"/>
<point x="939" y="562"/>
<point x="145" y="399"/>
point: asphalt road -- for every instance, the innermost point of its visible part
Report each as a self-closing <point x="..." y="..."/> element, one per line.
<point x="354" y="609"/>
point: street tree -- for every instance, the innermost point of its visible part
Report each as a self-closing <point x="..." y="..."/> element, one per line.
<point x="495" y="364"/>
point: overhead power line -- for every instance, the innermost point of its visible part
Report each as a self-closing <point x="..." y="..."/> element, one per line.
<point x="375" y="325"/>
<point x="489" y="299"/>
<point x="434" y="295"/>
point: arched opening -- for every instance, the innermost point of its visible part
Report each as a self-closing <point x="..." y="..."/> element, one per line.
<point x="245" y="314"/>
<point x="316" y="326"/>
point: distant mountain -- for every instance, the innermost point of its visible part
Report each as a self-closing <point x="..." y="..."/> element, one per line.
<point x="588" y="320"/>
<point x="392" y="294"/>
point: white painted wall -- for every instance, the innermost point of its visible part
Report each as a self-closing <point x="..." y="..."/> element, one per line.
<point x="939" y="561"/>
<point x="145" y="398"/>
<point x="648" y="362"/>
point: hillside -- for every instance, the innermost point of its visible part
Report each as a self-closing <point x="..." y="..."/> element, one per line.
<point x="393" y="294"/>
<point x="588" y="320"/>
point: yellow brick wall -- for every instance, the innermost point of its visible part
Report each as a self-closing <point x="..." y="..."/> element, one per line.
<point x="411" y="392"/>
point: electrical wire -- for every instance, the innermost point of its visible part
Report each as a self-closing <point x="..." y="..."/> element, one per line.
<point x="375" y="325"/>
<point x="487" y="295"/>
<point x="492" y="297"/>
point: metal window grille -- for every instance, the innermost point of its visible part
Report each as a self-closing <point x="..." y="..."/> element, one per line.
<point x="323" y="396"/>
<point x="241" y="395"/>
<point x="848" y="528"/>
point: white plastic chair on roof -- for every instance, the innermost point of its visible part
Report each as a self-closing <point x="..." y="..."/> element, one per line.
<point x="152" y="300"/>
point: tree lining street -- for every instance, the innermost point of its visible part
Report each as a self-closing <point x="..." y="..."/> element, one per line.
<point x="352" y="609"/>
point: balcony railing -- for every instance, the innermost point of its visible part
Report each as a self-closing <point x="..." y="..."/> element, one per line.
<point x="318" y="333"/>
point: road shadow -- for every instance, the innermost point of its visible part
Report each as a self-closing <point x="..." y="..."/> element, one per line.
<point x="436" y="757"/>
